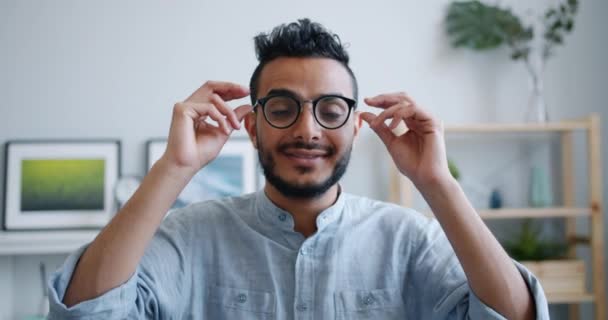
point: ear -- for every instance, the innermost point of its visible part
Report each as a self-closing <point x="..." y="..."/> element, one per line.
<point x="357" y="123"/>
<point x="250" y="126"/>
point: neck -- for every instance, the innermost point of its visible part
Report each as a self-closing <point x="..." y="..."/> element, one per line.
<point x="303" y="210"/>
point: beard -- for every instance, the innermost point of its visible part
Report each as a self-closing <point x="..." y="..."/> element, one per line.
<point x="301" y="190"/>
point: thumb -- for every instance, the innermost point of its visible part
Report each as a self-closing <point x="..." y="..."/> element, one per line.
<point x="242" y="111"/>
<point x="381" y="129"/>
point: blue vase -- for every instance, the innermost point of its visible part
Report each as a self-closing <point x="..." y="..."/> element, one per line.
<point x="540" y="194"/>
<point x="495" y="199"/>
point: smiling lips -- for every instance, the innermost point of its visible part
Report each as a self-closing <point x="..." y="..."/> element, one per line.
<point x="305" y="156"/>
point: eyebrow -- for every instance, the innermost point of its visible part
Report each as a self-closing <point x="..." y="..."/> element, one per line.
<point x="293" y="94"/>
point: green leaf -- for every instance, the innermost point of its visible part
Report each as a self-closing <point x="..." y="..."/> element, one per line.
<point x="573" y="6"/>
<point x="453" y="169"/>
<point x="556" y="25"/>
<point x="477" y="26"/>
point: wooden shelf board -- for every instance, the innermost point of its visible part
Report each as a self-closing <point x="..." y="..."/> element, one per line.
<point x="509" y="213"/>
<point x="513" y="213"/>
<point x="43" y="242"/>
<point x="569" y="297"/>
<point x="518" y="127"/>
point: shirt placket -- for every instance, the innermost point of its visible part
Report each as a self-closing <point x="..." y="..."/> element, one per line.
<point x="304" y="281"/>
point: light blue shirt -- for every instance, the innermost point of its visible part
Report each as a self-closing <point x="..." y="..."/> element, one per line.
<point x="239" y="258"/>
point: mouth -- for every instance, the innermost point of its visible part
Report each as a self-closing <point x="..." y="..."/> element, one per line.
<point x="305" y="157"/>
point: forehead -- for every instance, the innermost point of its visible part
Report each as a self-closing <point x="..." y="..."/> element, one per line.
<point x="308" y="77"/>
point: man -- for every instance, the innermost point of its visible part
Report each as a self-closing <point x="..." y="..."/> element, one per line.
<point x="301" y="248"/>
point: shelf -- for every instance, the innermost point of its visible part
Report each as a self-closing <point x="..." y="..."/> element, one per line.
<point x="517" y="127"/>
<point x="43" y="242"/>
<point x="567" y="289"/>
<point x="510" y="213"/>
<point x="514" y="213"/>
<point x="570" y="298"/>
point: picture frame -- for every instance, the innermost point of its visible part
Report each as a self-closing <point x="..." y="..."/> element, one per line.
<point x="60" y="184"/>
<point x="232" y="173"/>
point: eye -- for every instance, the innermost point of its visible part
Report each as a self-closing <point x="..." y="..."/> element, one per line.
<point x="330" y="116"/>
<point x="281" y="113"/>
<point x="332" y="109"/>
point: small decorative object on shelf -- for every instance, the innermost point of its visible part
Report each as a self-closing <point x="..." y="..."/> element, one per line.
<point x="495" y="199"/>
<point x="478" y="26"/>
<point x="43" y="308"/>
<point x="44" y="304"/>
<point x="540" y="193"/>
<point x="529" y="246"/>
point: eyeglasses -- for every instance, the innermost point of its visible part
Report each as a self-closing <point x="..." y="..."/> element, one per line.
<point x="282" y="111"/>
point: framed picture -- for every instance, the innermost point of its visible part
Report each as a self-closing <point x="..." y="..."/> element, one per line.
<point x="60" y="184"/>
<point x="232" y="173"/>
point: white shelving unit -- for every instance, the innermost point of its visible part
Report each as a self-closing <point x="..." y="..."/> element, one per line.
<point x="43" y="242"/>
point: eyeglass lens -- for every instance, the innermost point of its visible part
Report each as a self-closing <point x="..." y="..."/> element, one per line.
<point x="330" y="112"/>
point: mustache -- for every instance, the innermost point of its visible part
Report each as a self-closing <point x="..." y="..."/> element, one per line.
<point x="306" y="145"/>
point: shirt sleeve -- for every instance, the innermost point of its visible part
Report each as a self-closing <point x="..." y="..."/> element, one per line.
<point x="154" y="291"/>
<point x="438" y="287"/>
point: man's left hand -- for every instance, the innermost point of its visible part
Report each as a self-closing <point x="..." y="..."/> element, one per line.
<point x="419" y="153"/>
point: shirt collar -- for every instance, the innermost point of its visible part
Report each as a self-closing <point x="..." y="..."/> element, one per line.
<point x="270" y="213"/>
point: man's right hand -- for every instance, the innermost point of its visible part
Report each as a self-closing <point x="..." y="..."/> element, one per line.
<point x="112" y="258"/>
<point x="193" y="141"/>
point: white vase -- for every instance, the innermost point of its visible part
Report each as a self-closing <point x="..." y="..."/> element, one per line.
<point x="537" y="107"/>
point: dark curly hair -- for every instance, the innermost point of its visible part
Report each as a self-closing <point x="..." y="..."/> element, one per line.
<point x="298" y="39"/>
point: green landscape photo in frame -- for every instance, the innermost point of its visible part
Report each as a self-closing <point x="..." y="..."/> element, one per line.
<point x="62" y="184"/>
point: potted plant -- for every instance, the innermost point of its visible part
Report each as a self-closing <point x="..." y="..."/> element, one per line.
<point x="548" y="261"/>
<point x="478" y="26"/>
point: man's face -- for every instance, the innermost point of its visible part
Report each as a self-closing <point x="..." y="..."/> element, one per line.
<point x="305" y="159"/>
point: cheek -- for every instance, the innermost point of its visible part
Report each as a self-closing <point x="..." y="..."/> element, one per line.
<point x="268" y="139"/>
<point x="342" y="141"/>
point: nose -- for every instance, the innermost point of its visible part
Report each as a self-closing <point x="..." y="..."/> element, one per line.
<point x="306" y="127"/>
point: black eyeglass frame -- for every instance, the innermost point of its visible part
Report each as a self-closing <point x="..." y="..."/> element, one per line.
<point x="262" y="102"/>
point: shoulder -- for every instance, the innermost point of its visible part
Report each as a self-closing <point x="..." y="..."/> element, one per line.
<point x="387" y="220"/>
<point x="363" y="209"/>
<point x="209" y="213"/>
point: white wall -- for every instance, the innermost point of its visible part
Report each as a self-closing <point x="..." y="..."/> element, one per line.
<point x="91" y="69"/>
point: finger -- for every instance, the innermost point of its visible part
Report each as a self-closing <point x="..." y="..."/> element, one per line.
<point x="228" y="90"/>
<point x="200" y="111"/>
<point x="407" y="113"/>
<point x="367" y="117"/>
<point x="379" y="128"/>
<point x="423" y="126"/>
<point x="218" y="117"/>
<point x="242" y="111"/>
<point x="398" y="111"/>
<point x="226" y="110"/>
<point x="395" y="122"/>
<point x="386" y="114"/>
<point x="386" y="100"/>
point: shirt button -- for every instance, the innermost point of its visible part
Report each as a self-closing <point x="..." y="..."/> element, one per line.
<point x="302" y="307"/>
<point x="241" y="298"/>
<point x="368" y="300"/>
<point x="282" y="217"/>
<point x="303" y="251"/>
